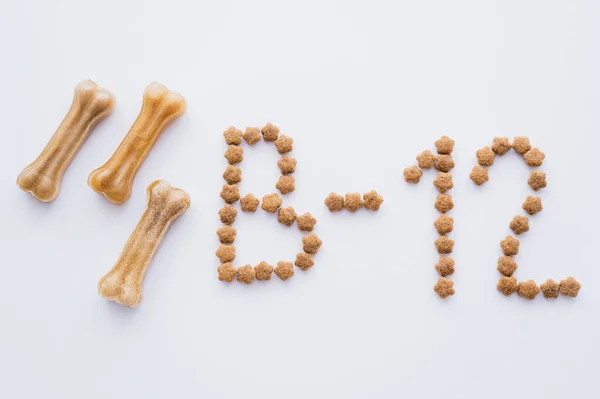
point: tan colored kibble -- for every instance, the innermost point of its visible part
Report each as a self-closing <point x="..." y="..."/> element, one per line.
<point x="334" y="202"/>
<point x="519" y="224"/>
<point x="234" y="154"/>
<point x="226" y="272"/>
<point x="286" y="184"/>
<point x="485" y="156"/>
<point x="479" y="175"/>
<point x="304" y="261"/>
<point x="507" y="265"/>
<point x="412" y="174"/>
<point x="444" y="245"/>
<point x="507" y="285"/>
<point x="263" y="271"/>
<point x="232" y="175"/>
<point x="226" y="234"/>
<point x="445" y="266"/>
<point x="271" y="202"/>
<point x="537" y="180"/>
<point x="528" y="289"/>
<point x="225" y="253"/>
<point x="227" y="214"/>
<point x="249" y="203"/>
<point x="501" y="145"/>
<point x="284" y="144"/>
<point x="286" y="216"/>
<point x="444" y="224"/>
<point x="444" y="287"/>
<point x="444" y="203"/>
<point x="570" y="287"/>
<point x="246" y="274"/>
<point x="550" y="289"/>
<point x="521" y="144"/>
<point x="284" y="270"/>
<point x="372" y="200"/>
<point x="426" y="160"/>
<point x="510" y="246"/>
<point x="534" y="157"/>
<point x="353" y="202"/>
<point x="286" y="165"/>
<point x="443" y="182"/>
<point x="270" y="132"/>
<point x="533" y="205"/>
<point x="233" y="136"/>
<point x="230" y="193"/>
<point x="252" y="135"/>
<point x="311" y="243"/>
<point x="306" y="222"/>
<point x="444" y="145"/>
<point x="444" y="163"/>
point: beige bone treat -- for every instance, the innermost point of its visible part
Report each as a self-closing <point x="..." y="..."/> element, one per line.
<point x="123" y="283"/>
<point x="114" y="179"/>
<point x="43" y="177"/>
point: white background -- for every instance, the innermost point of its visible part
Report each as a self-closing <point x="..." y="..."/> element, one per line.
<point x="362" y="88"/>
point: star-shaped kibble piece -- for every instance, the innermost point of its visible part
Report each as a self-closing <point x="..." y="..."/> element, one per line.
<point x="444" y="287"/>
<point x="306" y="222"/>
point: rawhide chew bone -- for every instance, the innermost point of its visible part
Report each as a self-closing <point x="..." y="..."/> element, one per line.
<point x="114" y="179"/>
<point x="123" y="283"/>
<point x="90" y="105"/>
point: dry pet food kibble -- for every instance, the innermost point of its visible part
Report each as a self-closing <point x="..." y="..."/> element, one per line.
<point x="286" y="184"/>
<point x="537" y="180"/>
<point x="284" y="270"/>
<point x="334" y="202"/>
<point x="233" y="136"/>
<point x="304" y="261"/>
<point x="232" y="175"/>
<point x="246" y="274"/>
<point x="271" y="202"/>
<point x="445" y="266"/>
<point x="252" y="135"/>
<point x="443" y="182"/>
<point x="570" y="287"/>
<point x="311" y="243"/>
<point x="507" y="285"/>
<point x="286" y="165"/>
<point x="372" y="200"/>
<point x="479" y="175"/>
<point x="227" y="214"/>
<point x="412" y="174"/>
<point x="533" y="205"/>
<point x="444" y="145"/>
<point x="234" y="154"/>
<point x="528" y="289"/>
<point x="270" y="132"/>
<point x="444" y="245"/>
<point x="426" y="160"/>
<point x="507" y="265"/>
<point x="353" y="202"/>
<point x="444" y="163"/>
<point x="521" y="145"/>
<point x="249" y="203"/>
<point x="550" y="289"/>
<point x="306" y="222"/>
<point x="225" y="253"/>
<point x="444" y="224"/>
<point x="520" y="224"/>
<point x="444" y="287"/>
<point x="284" y="144"/>
<point x="230" y="193"/>
<point x="485" y="156"/>
<point x="501" y="145"/>
<point x="534" y="157"/>
<point x="443" y="203"/>
<point x="510" y="246"/>
<point x="286" y="216"/>
<point x="263" y="271"/>
<point x="226" y="234"/>
<point x="226" y="272"/>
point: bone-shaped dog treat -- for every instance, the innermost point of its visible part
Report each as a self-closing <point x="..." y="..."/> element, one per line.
<point x="43" y="177"/>
<point x="123" y="283"/>
<point x="114" y="179"/>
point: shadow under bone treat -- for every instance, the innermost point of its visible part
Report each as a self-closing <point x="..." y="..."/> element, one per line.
<point x="123" y="284"/>
<point x="43" y="177"/>
<point x="114" y="179"/>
